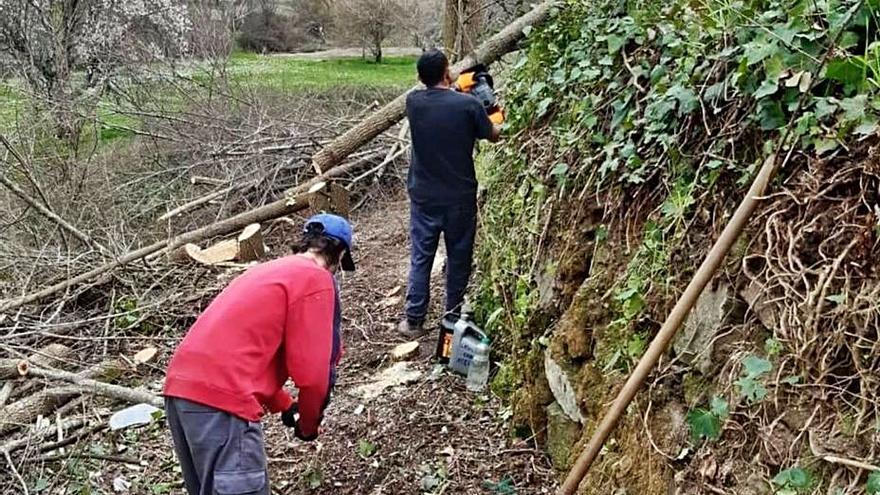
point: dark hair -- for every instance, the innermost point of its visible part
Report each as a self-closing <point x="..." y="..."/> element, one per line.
<point x="328" y="247"/>
<point x="432" y="67"/>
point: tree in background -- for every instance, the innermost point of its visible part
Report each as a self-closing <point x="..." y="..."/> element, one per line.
<point x="462" y="26"/>
<point x="284" y="26"/>
<point x="370" y="22"/>
<point x="51" y="42"/>
<point x="422" y="22"/>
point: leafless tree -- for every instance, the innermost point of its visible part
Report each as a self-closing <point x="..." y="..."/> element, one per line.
<point x="370" y="21"/>
<point x="67" y="50"/>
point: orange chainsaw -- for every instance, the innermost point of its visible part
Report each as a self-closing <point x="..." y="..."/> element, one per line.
<point x="478" y="82"/>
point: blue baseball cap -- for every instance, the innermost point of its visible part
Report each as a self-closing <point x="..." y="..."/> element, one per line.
<point x="338" y="228"/>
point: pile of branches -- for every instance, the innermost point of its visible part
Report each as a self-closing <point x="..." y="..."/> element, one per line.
<point x="59" y="355"/>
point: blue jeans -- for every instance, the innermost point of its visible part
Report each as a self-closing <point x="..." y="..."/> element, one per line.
<point x="458" y="224"/>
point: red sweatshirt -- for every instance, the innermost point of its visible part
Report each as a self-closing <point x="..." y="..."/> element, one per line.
<point x="272" y="322"/>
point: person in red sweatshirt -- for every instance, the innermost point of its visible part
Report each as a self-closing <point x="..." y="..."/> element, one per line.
<point x="278" y="320"/>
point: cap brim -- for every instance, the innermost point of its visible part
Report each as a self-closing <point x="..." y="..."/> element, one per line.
<point x="347" y="261"/>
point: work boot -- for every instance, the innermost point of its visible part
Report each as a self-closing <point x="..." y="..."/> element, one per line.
<point x="411" y="329"/>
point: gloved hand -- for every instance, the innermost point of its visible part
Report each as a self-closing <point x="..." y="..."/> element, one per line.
<point x="497" y="117"/>
<point x="290" y="418"/>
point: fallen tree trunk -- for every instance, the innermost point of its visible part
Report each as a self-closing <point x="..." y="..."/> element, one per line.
<point x="330" y="156"/>
<point x="490" y="51"/>
<point x="43" y="403"/>
<point x="47" y="356"/>
<point x="101" y="388"/>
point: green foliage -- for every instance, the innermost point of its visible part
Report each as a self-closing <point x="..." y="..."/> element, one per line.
<point x="706" y="424"/>
<point x="793" y="481"/>
<point x="873" y="486"/>
<point x="314" y="478"/>
<point x="366" y="448"/>
<point x="503" y="487"/>
<point x="751" y="383"/>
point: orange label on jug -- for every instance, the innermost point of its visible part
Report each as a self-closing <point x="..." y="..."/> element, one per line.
<point x="447" y="345"/>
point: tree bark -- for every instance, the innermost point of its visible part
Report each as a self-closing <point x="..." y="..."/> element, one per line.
<point x="25" y="411"/>
<point x="47" y="356"/>
<point x="98" y="387"/>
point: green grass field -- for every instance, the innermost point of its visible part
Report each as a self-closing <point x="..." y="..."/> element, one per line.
<point x="281" y="74"/>
<point x="290" y="74"/>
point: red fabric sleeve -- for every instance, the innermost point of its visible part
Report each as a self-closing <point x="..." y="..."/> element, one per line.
<point x="280" y="402"/>
<point x="308" y="346"/>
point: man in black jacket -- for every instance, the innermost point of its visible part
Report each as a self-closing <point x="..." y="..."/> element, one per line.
<point x="442" y="186"/>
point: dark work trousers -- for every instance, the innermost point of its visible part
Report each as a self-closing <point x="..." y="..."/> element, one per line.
<point x="458" y="224"/>
<point x="219" y="453"/>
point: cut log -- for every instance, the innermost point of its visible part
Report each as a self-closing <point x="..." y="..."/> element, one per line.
<point x="328" y="197"/>
<point x="48" y="356"/>
<point x="405" y="351"/>
<point x="330" y="156"/>
<point x="43" y="403"/>
<point x="250" y="244"/>
<point x="221" y="252"/>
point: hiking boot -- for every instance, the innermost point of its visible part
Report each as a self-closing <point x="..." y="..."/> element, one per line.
<point x="412" y="329"/>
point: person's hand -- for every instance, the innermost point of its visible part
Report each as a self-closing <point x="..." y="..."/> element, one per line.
<point x="289" y="417"/>
<point x="299" y="434"/>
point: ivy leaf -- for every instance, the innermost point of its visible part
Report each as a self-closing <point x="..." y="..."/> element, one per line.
<point x="825" y="107"/>
<point x="873" y="486"/>
<point x="543" y="106"/>
<point x="755" y="366"/>
<point x="752" y="389"/>
<point x="719" y="407"/>
<point x="560" y="170"/>
<point x="758" y="50"/>
<point x="824" y="145"/>
<point x="41" y="484"/>
<point x="854" y="108"/>
<point x="845" y="71"/>
<point x="791" y="380"/>
<point x="687" y="99"/>
<point x="785" y="33"/>
<point x="848" y="39"/>
<point x="771" y="115"/>
<point x="867" y="127"/>
<point x="793" y="478"/>
<point x="615" y="43"/>
<point x="315" y="478"/>
<point x="767" y="88"/>
<point x="703" y="425"/>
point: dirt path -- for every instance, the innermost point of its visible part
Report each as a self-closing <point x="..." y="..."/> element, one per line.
<point x="429" y="436"/>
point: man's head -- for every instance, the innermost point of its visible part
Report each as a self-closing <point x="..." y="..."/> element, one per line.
<point x="329" y="236"/>
<point x="433" y="67"/>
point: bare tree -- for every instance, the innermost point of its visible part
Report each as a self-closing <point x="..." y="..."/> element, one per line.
<point x="462" y="26"/>
<point x="370" y="21"/>
<point x="52" y="42"/>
